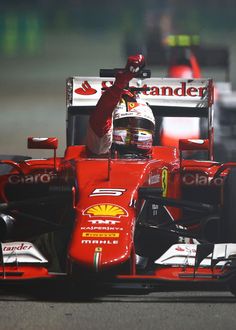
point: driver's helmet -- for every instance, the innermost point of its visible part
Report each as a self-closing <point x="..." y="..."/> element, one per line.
<point x="133" y="127"/>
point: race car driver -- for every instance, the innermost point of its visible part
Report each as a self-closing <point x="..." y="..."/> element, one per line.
<point x="121" y="119"/>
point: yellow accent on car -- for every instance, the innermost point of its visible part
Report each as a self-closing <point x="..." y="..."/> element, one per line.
<point x="104" y="210"/>
<point x="95" y="234"/>
<point x="164" y="181"/>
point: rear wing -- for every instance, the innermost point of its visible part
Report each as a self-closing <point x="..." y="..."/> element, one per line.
<point x="168" y="97"/>
<point x="187" y="97"/>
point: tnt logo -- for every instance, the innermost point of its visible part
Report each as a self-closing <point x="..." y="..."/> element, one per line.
<point x="86" y="89"/>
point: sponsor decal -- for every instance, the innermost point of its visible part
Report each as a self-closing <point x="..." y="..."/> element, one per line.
<point x="31" y="178"/>
<point x="109" y="235"/>
<point x="186" y="248"/>
<point x="85" y="89"/>
<point x="164" y="181"/>
<point x="103" y="222"/>
<point x="197" y="179"/>
<point x="181" y="91"/>
<point x="100" y="241"/>
<point x="18" y="247"/>
<point x="155" y="209"/>
<point x="108" y="228"/>
<point x="107" y="84"/>
<point x="115" y="192"/>
<point x="154" y="178"/>
<point x="105" y="210"/>
<point x="179" y="248"/>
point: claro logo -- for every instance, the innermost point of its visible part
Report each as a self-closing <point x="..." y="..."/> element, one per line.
<point x="31" y="178"/>
<point x="197" y="179"/>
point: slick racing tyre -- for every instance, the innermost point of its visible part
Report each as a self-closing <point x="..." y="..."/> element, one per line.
<point x="228" y="220"/>
<point x="4" y="168"/>
<point x="232" y="286"/>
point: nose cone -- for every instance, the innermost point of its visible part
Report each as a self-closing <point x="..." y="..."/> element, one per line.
<point x="103" y="236"/>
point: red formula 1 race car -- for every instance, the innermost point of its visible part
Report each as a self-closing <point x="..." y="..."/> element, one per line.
<point x="110" y="219"/>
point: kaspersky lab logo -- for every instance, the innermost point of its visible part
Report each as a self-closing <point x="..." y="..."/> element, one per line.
<point x="85" y="89"/>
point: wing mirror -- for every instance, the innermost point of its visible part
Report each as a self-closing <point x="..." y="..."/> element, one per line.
<point x="42" y="143"/>
<point x="193" y="145"/>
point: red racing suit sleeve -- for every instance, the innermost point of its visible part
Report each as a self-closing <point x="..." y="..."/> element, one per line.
<point x="100" y="127"/>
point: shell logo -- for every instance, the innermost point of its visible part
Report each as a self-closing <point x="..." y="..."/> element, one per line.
<point x="105" y="210"/>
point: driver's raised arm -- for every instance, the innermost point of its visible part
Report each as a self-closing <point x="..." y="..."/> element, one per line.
<point x="99" y="134"/>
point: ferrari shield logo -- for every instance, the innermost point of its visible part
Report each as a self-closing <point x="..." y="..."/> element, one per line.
<point x="132" y="105"/>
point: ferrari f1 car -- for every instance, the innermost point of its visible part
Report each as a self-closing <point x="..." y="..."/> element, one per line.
<point x="121" y="219"/>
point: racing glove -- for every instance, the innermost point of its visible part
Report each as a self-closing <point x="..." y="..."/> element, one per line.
<point x="134" y="64"/>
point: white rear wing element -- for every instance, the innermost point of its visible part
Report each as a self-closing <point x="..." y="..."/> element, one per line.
<point x="171" y="92"/>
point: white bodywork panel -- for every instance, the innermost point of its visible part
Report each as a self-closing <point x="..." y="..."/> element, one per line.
<point x="194" y="93"/>
<point x="184" y="255"/>
<point x="21" y="252"/>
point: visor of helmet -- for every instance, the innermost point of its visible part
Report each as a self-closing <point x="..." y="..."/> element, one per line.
<point x="134" y="123"/>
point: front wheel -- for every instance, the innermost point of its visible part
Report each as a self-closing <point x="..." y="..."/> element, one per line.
<point x="232" y="286"/>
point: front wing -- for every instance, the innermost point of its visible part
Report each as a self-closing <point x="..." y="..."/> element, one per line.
<point x="180" y="263"/>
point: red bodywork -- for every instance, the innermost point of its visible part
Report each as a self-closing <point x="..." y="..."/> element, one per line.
<point x="97" y="201"/>
<point x="105" y="205"/>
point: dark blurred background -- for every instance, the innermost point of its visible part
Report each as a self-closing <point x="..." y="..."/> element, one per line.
<point x="42" y="42"/>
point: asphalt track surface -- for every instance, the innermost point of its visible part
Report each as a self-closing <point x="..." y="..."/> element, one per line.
<point x="53" y="307"/>
<point x="33" y="104"/>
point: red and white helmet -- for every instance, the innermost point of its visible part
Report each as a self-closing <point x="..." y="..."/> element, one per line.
<point x="133" y="127"/>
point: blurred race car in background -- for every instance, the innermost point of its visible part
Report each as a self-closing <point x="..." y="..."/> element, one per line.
<point x="184" y="56"/>
<point x="112" y="219"/>
<point x="226" y="124"/>
<point x="182" y="63"/>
